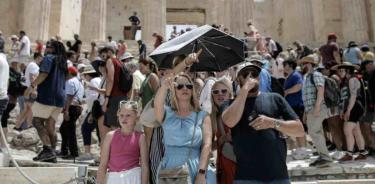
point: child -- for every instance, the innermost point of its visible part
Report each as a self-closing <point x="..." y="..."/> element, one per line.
<point x="124" y="151"/>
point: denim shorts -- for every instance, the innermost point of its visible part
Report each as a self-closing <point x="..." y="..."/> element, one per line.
<point x="3" y="105"/>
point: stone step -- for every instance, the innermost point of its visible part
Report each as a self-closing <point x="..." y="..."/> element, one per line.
<point x="300" y="171"/>
<point x="10" y="175"/>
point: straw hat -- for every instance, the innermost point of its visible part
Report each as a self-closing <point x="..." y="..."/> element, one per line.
<point x="308" y="59"/>
<point x="345" y="65"/>
<point x="88" y="69"/>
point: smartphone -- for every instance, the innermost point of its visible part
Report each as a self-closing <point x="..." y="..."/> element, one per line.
<point x="253" y="115"/>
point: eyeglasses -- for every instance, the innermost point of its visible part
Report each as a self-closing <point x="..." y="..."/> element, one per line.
<point x="219" y="91"/>
<point x="133" y="105"/>
<point x="188" y="86"/>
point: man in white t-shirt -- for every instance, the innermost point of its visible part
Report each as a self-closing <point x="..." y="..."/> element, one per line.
<point x="24" y="51"/>
<point x="31" y="73"/>
<point x="4" y="78"/>
<point x="112" y="43"/>
<point x="138" y="78"/>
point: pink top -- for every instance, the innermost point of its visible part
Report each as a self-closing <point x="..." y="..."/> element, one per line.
<point x="124" y="152"/>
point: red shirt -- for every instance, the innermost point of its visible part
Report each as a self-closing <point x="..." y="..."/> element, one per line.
<point x="39" y="48"/>
<point x="326" y="51"/>
<point x="116" y="80"/>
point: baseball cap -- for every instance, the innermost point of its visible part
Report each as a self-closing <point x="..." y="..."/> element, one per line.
<point x="247" y="65"/>
<point x="72" y="70"/>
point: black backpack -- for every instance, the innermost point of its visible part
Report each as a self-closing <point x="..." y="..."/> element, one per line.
<point x="279" y="47"/>
<point x="126" y="79"/>
<point x="331" y="91"/>
<point x="276" y="87"/>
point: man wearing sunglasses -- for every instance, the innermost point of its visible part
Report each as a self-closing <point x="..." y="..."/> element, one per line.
<point x="257" y="121"/>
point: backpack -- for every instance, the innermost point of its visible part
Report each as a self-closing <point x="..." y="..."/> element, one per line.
<point x="279" y="47"/>
<point x="331" y="91"/>
<point x="276" y="87"/>
<point x="126" y="79"/>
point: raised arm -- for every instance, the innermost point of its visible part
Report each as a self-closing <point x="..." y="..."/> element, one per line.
<point x="232" y="115"/>
<point x="160" y="97"/>
<point x="188" y="61"/>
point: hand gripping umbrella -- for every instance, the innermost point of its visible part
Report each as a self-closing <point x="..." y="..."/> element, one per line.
<point x="220" y="50"/>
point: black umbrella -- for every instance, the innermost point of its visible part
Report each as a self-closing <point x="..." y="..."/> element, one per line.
<point x="220" y="50"/>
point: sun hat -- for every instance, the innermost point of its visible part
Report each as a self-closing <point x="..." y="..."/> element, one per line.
<point x="88" y="69"/>
<point x="346" y="65"/>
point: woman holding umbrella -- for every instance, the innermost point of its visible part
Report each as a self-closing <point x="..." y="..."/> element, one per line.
<point x="186" y="128"/>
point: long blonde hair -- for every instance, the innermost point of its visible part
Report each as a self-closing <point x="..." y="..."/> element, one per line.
<point x="194" y="102"/>
<point x="215" y="109"/>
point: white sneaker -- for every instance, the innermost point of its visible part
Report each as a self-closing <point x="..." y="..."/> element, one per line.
<point x="301" y="154"/>
<point x="85" y="157"/>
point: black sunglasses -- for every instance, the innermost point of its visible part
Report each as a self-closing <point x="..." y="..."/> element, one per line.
<point x="253" y="73"/>
<point x="188" y="86"/>
<point x="219" y="91"/>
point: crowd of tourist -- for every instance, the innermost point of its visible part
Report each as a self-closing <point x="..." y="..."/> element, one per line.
<point x="234" y="126"/>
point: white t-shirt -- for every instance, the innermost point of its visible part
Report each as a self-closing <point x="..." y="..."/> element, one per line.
<point x="92" y="95"/>
<point x="272" y="46"/>
<point x="112" y="44"/>
<point x="4" y="76"/>
<point x="26" y="48"/>
<point x="74" y="87"/>
<point x="138" y="79"/>
<point x="31" y="69"/>
<point x="277" y="68"/>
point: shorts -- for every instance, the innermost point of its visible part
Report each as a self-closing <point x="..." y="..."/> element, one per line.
<point x="110" y="117"/>
<point x="46" y="111"/>
<point x="132" y="176"/>
<point x="23" y="59"/>
<point x="300" y="111"/>
<point x="356" y="113"/>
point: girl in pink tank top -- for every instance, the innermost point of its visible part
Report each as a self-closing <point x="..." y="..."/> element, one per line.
<point x="124" y="152"/>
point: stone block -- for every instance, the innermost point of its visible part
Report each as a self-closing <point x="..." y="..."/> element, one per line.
<point x="10" y="175"/>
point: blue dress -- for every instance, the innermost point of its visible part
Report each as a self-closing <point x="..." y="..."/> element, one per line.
<point x="178" y="133"/>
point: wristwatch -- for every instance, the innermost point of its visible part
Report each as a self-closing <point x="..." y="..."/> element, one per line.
<point x="202" y="171"/>
<point x="277" y="124"/>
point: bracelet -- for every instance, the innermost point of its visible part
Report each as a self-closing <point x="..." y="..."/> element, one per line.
<point x="107" y="96"/>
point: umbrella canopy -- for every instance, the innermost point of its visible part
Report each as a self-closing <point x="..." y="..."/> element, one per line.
<point x="220" y="50"/>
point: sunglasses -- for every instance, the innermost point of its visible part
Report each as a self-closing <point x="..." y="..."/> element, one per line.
<point x="219" y="91"/>
<point x="188" y="86"/>
<point x="130" y="104"/>
<point x="253" y="73"/>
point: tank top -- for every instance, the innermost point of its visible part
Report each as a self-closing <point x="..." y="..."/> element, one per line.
<point x="124" y="152"/>
<point x="345" y="96"/>
<point x="116" y="80"/>
<point x="146" y="91"/>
